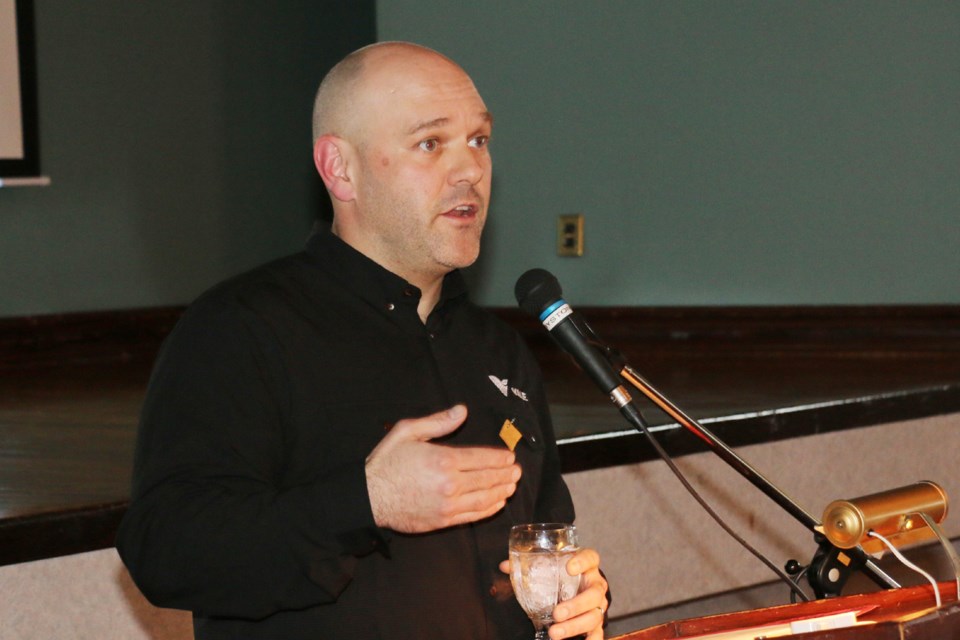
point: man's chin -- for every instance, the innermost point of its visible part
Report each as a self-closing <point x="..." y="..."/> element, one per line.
<point x="462" y="254"/>
<point x="461" y="261"/>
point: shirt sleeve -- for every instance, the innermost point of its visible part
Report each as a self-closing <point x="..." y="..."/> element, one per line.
<point x="212" y="526"/>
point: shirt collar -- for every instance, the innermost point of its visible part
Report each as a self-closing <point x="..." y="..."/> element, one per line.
<point x="371" y="281"/>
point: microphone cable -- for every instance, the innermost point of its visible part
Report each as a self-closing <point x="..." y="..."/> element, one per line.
<point x="539" y="293"/>
<point x="614" y="357"/>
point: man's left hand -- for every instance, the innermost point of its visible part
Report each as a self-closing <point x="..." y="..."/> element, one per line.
<point x="584" y="613"/>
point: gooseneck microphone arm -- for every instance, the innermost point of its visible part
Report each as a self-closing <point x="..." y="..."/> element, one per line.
<point x="824" y="581"/>
<point x="721" y="449"/>
<point x="538" y="292"/>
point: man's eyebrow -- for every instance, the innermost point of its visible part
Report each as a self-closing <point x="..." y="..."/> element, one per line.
<point x="486" y="116"/>
<point x="427" y="124"/>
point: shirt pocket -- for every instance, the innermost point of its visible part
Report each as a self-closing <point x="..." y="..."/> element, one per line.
<point x="487" y="428"/>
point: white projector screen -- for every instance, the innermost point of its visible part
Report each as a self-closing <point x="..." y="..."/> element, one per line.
<point x="18" y="117"/>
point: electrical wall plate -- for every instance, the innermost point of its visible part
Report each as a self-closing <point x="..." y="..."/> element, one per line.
<point x="570" y="235"/>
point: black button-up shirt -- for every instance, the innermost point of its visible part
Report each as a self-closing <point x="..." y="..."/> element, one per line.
<point x="250" y="505"/>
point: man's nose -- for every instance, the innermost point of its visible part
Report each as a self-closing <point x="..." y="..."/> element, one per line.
<point x="469" y="165"/>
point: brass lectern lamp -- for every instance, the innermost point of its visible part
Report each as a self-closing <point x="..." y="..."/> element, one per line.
<point x="887" y="520"/>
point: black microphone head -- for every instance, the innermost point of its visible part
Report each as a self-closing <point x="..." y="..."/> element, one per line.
<point x="536" y="290"/>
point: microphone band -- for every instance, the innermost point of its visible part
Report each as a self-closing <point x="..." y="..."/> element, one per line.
<point x="555" y="313"/>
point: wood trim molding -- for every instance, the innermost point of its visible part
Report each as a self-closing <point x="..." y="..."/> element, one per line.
<point x="887" y="331"/>
<point x="59" y="533"/>
<point x="99" y="337"/>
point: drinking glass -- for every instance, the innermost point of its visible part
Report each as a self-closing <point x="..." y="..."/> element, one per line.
<point x="538" y="569"/>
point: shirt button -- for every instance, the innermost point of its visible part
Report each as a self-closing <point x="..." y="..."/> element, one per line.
<point x="409" y="292"/>
<point x="391" y="306"/>
<point x="432" y="335"/>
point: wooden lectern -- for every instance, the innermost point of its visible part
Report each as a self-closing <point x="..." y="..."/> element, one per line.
<point x="896" y="614"/>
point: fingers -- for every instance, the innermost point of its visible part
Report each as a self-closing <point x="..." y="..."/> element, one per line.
<point x="433" y="426"/>
<point x="475" y="495"/>
<point x="477" y="458"/>
<point x="416" y="485"/>
<point x="444" y="423"/>
<point x="590" y="623"/>
<point x="597" y="633"/>
<point x="584" y="613"/>
<point x="472" y="516"/>
<point x="580" y="615"/>
<point x="417" y="430"/>
<point x="583" y="561"/>
<point x="465" y="481"/>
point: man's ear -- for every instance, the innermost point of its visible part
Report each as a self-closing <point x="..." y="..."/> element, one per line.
<point x="330" y="159"/>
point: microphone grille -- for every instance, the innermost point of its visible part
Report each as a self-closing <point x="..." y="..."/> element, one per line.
<point x="536" y="290"/>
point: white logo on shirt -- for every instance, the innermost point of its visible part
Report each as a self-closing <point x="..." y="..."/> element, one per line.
<point x="500" y="384"/>
<point x="506" y="389"/>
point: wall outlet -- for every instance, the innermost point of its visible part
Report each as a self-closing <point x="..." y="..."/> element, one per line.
<point x="570" y="235"/>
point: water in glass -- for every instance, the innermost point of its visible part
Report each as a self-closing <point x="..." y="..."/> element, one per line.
<point x="538" y="569"/>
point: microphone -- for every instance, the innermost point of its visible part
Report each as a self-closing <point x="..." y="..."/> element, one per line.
<point x="538" y="292"/>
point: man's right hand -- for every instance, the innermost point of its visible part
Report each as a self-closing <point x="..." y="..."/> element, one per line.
<point x="416" y="485"/>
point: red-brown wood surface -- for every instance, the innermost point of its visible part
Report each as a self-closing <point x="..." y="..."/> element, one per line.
<point x="890" y="612"/>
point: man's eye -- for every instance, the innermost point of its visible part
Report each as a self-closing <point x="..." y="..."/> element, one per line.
<point x="429" y="145"/>
<point x="480" y="141"/>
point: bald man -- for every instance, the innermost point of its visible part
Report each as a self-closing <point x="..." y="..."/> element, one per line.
<point x="336" y="444"/>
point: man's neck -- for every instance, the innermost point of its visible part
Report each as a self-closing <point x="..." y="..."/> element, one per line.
<point x="430" y="284"/>
<point x="429" y="297"/>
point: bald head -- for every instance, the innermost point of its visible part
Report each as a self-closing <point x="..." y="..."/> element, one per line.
<point x="400" y="141"/>
<point x="346" y="90"/>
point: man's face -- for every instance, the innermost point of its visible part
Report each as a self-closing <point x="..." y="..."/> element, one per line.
<point x="423" y="180"/>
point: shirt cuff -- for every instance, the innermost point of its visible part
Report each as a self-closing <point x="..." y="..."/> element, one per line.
<point x="347" y="503"/>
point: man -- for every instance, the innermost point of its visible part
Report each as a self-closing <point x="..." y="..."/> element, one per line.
<point x="336" y="444"/>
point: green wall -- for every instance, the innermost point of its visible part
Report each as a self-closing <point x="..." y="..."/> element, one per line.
<point x="748" y="152"/>
<point x="177" y="137"/>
